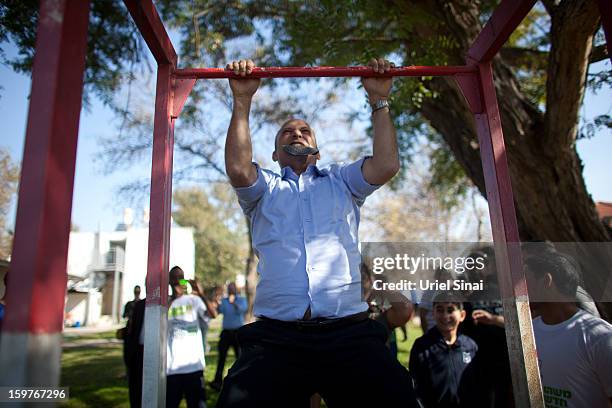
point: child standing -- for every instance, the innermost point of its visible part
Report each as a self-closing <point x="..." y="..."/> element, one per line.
<point x="439" y="359"/>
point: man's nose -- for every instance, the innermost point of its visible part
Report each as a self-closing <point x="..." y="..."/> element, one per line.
<point x="297" y="134"/>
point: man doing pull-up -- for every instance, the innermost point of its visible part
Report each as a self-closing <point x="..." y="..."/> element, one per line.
<point x="312" y="334"/>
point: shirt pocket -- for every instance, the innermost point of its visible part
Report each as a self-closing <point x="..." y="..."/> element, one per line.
<point x="280" y="213"/>
<point x="328" y="203"/>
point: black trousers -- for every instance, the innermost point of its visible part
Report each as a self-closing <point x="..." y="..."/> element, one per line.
<point x="134" y="362"/>
<point x="282" y="365"/>
<point x="190" y="385"/>
<point x="228" y="338"/>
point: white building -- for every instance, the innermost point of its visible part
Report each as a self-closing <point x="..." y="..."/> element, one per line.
<point x="96" y="260"/>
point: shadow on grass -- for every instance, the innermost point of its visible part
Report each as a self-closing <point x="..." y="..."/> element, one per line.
<point x="95" y="376"/>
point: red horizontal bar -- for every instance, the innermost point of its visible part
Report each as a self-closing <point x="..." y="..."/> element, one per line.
<point x="317" y="72"/>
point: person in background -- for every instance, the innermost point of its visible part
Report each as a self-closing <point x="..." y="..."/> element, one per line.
<point x="129" y="306"/>
<point x="390" y="308"/>
<point x="233" y="307"/>
<point x="185" y="350"/>
<point x="133" y="341"/>
<point x="574" y="348"/>
<point x="439" y="359"/>
<point x="425" y="306"/>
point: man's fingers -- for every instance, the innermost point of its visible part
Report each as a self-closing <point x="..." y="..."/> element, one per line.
<point x="387" y="65"/>
<point x="242" y="67"/>
<point x="381" y="65"/>
<point x="373" y="63"/>
<point x="249" y="66"/>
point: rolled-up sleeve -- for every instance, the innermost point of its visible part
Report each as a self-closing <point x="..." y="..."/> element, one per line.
<point x="249" y="196"/>
<point x="352" y="174"/>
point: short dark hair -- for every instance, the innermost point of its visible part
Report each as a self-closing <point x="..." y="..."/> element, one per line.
<point x="176" y="269"/>
<point x="563" y="268"/>
<point x="454" y="298"/>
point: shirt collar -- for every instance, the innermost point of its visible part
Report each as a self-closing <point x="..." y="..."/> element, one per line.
<point x="287" y="172"/>
<point x="441" y="340"/>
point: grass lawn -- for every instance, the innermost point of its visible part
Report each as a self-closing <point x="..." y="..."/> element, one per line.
<point x="96" y="374"/>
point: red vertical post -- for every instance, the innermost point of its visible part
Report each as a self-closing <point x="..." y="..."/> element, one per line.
<point x="31" y="340"/>
<point x="156" y="312"/>
<point x="513" y="287"/>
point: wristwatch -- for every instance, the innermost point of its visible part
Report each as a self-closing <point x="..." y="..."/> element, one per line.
<point x="379" y="104"/>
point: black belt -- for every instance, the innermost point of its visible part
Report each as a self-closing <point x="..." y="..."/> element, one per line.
<point x="319" y="322"/>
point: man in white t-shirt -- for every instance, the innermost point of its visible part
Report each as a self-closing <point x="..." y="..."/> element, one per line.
<point x="185" y="353"/>
<point x="574" y="347"/>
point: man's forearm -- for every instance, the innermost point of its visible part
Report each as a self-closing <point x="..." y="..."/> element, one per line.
<point x="238" y="146"/>
<point x="210" y="308"/>
<point x="384" y="163"/>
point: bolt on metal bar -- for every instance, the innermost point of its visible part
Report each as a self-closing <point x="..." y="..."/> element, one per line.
<point x="319" y="72"/>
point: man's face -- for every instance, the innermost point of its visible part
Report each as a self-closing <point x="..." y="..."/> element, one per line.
<point x="175" y="276"/>
<point x="231" y="289"/>
<point x="448" y="316"/>
<point x="536" y="288"/>
<point x="136" y="292"/>
<point x="294" y="131"/>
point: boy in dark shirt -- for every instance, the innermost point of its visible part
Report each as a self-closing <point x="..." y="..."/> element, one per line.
<point x="438" y="359"/>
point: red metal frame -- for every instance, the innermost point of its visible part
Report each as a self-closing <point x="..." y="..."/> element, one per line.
<point x="506" y="17"/>
<point x="38" y="268"/>
<point x="153" y="31"/>
<point x="37" y="277"/>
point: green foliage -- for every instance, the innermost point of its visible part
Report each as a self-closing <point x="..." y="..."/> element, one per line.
<point x="281" y="32"/>
<point x="114" y="48"/>
<point x="448" y="182"/>
<point x="219" y="231"/>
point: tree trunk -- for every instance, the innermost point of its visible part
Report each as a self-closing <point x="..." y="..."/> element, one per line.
<point x="551" y="199"/>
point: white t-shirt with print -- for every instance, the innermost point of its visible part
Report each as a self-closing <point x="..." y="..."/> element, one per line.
<point x="185" y="351"/>
<point x="575" y="359"/>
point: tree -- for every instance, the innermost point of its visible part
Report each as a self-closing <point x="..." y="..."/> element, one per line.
<point x="219" y="236"/>
<point x="115" y="50"/>
<point x="9" y="178"/>
<point x="540" y="78"/>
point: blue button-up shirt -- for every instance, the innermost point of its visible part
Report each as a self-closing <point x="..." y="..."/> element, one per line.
<point x="233" y="314"/>
<point x="305" y="235"/>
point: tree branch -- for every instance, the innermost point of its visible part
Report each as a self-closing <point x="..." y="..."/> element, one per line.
<point x="572" y="28"/>
<point x="525" y="58"/>
<point x="599" y="53"/>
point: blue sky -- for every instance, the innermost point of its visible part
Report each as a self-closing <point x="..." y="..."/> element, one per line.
<point x="96" y="204"/>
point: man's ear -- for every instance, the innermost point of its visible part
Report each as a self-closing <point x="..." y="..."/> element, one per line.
<point x="462" y="315"/>
<point x="548" y="281"/>
<point x="275" y="156"/>
<point x="318" y="156"/>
